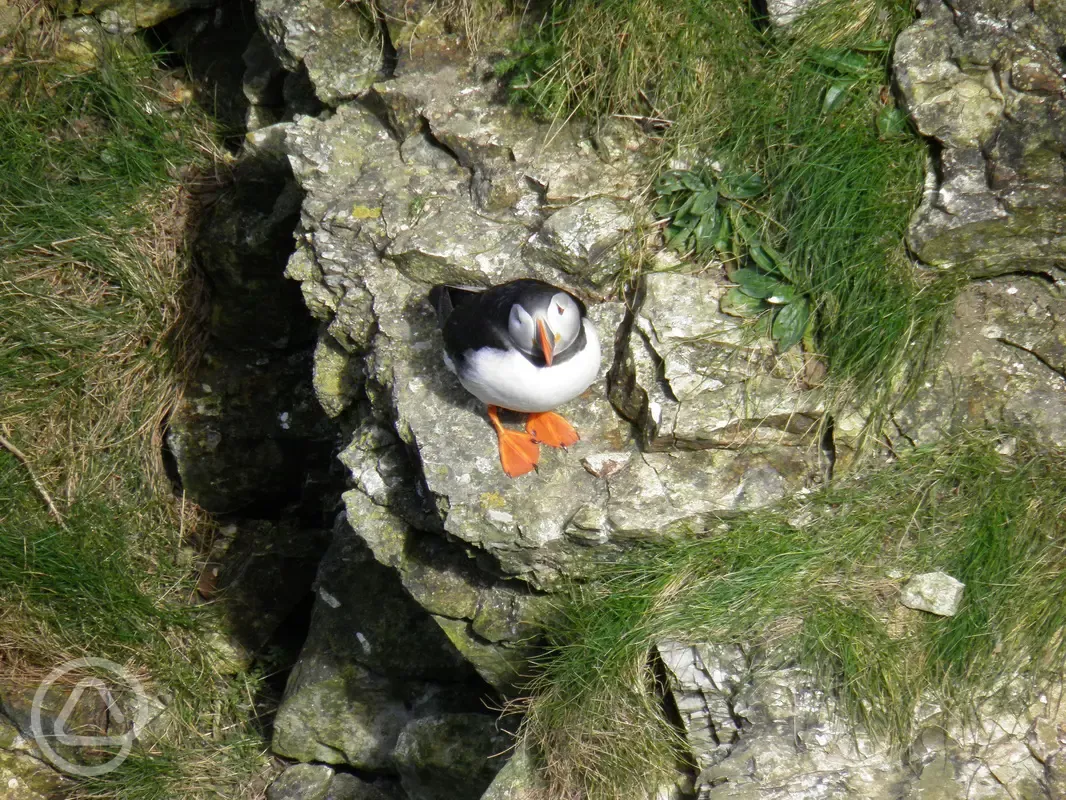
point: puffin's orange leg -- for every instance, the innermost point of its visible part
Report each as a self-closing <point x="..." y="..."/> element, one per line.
<point x="518" y="452"/>
<point x="551" y="429"/>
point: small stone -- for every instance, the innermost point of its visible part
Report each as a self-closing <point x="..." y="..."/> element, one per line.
<point x="935" y="592"/>
<point x="301" y="782"/>
<point x="1007" y="446"/>
<point x="328" y="599"/>
<point x="604" y="465"/>
<point x="783" y="13"/>
<point x="449" y="755"/>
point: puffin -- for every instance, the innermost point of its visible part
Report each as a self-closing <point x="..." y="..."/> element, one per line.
<point x="524" y="346"/>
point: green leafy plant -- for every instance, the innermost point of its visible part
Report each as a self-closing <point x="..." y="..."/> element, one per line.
<point x="845" y="68"/>
<point x="706" y="213"/>
<point x="769" y="292"/>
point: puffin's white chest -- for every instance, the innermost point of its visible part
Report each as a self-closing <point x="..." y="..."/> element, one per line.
<point x="508" y="379"/>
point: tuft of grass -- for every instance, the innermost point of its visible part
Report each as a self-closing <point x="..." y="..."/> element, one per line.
<point x="99" y="312"/>
<point x="85" y="582"/>
<point x="826" y="590"/>
<point x="479" y="22"/>
<point x="810" y="111"/>
<point x="185" y="769"/>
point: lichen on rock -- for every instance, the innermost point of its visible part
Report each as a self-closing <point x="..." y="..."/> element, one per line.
<point x="759" y="726"/>
<point x="1003" y="365"/>
<point x="985" y="80"/>
<point x="23" y="772"/>
<point x="126" y="16"/>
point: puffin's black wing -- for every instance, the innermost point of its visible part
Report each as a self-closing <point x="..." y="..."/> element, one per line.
<point x="445" y="298"/>
<point x="472" y="320"/>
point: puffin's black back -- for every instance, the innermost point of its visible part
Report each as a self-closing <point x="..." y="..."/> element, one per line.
<point x="445" y="298"/>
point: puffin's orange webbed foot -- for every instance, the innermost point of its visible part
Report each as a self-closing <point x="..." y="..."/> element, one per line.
<point x="551" y="429"/>
<point x="519" y="454"/>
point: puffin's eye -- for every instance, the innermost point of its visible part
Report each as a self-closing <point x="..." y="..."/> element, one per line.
<point x="559" y="308"/>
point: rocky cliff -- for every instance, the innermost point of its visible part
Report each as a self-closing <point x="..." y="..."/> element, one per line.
<point x="418" y="175"/>
<point x="387" y="138"/>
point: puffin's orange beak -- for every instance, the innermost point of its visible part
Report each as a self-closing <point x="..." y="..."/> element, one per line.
<point x="547" y="343"/>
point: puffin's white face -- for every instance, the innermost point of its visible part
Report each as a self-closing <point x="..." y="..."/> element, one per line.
<point x="547" y="331"/>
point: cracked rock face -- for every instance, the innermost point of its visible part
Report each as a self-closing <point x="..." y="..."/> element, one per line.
<point x="759" y="727"/>
<point x="375" y="673"/>
<point x="986" y="79"/>
<point x="693" y="378"/>
<point x="1004" y="365"/>
<point x="336" y="43"/>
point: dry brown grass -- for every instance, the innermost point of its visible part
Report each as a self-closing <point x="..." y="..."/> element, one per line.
<point x="102" y="322"/>
<point x="136" y="376"/>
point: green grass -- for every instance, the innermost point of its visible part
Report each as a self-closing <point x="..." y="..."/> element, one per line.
<point x="83" y="582"/>
<point x="719" y="88"/>
<point x="98" y="330"/>
<point x="825" y="590"/>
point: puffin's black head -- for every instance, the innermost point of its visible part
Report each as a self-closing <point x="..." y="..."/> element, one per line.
<point x="544" y="320"/>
